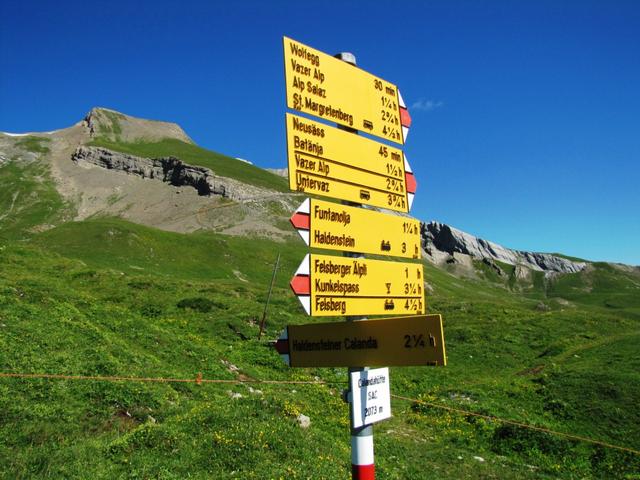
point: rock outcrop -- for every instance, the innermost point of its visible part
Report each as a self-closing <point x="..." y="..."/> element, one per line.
<point x="167" y="169"/>
<point x="439" y="238"/>
<point x="170" y="170"/>
<point x="281" y="172"/>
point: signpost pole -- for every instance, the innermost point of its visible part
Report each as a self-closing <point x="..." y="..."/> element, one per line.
<point x="266" y="305"/>
<point x="362" y="461"/>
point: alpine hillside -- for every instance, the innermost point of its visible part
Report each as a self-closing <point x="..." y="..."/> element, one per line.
<point x="128" y="253"/>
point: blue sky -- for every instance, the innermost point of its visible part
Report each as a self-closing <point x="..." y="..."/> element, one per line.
<point x="526" y="115"/>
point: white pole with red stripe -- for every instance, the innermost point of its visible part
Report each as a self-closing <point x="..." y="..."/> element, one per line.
<point x="362" y="464"/>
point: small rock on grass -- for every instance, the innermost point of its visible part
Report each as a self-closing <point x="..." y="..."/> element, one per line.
<point x="304" y="421"/>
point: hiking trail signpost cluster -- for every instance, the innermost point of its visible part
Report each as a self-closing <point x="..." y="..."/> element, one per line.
<point x="361" y="172"/>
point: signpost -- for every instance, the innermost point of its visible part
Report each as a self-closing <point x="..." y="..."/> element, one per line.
<point x="397" y="341"/>
<point x="326" y="161"/>
<point x="329" y="286"/>
<point x="370" y="396"/>
<point x="340" y="227"/>
<point x="335" y="163"/>
<point x="326" y="87"/>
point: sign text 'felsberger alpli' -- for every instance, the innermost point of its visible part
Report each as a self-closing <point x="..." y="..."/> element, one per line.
<point x="333" y="286"/>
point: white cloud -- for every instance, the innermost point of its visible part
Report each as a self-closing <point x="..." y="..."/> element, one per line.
<point x="426" y="105"/>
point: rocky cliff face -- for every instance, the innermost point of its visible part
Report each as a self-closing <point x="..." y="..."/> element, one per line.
<point x="169" y="170"/>
<point x="442" y="242"/>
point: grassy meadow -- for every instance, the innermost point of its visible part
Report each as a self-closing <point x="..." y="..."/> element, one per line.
<point x="105" y="297"/>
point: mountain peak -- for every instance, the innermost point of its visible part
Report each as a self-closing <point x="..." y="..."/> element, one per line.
<point x="115" y="126"/>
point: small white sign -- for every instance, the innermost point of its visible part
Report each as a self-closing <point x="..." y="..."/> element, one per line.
<point x="370" y="396"/>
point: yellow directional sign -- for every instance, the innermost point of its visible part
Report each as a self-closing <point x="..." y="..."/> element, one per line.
<point x="339" y="227"/>
<point x="324" y="86"/>
<point x="330" y="286"/>
<point x="401" y="341"/>
<point x="329" y="162"/>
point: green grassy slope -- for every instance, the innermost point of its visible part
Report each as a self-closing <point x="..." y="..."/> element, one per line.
<point x="195" y="155"/>
<point x="603" y="286"/>
<point x="28" y="198"/>
<point x="113" y="243"/>
<point x="110" y="298"/>
<point x="105" y="297"/>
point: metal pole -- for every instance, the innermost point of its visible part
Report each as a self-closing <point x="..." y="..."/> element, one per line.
<point x="362" y="461"/>
<point x="266" y="305"/>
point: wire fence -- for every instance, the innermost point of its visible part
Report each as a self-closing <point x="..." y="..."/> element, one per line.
<point x="516" y="424"/>
<point x="198" y="380"/>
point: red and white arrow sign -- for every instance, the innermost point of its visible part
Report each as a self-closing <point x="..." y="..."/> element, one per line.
<point x="405" y="118"/>
<point x="301" y="284"/>
<point x="301" y="220"/>
<point x="411" y="183"/>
